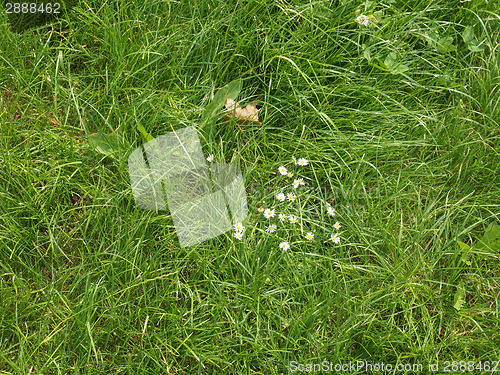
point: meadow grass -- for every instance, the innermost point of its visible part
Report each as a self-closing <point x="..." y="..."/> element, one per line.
<point x="398" y="120"/>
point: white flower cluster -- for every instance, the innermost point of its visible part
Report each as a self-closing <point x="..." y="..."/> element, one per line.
<point x="290" y="196"/>
<point x="239" y="230"/>
<point x="363" y="20"/>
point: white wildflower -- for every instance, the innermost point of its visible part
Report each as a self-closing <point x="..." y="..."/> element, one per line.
<point x="268" y="213"/>
<point x="363" y="20"/>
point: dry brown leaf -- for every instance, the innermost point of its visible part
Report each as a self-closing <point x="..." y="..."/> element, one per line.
<point x="249" y="114"/>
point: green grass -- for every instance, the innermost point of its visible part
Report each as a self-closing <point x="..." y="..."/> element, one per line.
<point x="401" y="129"/>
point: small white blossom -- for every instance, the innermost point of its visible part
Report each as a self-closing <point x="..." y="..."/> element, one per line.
<point x="290" y="174"/>
<point x="271" y="228"/>
<point x="268" y="213"/>
<point x="330" y="211"/>
<point x="210" y="158"/>
<point x="238" y="227"/>
<point x="283" y="170"/>
<point x="302" y="161"/>
<point x="238" y="235"/>
<point x="335" y="238"/>
<point x="282" y="217"/>
<point x="362" y="20"/>
<point x="309" y="236"/>
<point x="293" y="219"/>
<point x="291" y="197"/>
<point x="284" y="246"/>
<point x="337" y="225"/>
<point x="296" y="184"/>
<point x="281" y="197"/>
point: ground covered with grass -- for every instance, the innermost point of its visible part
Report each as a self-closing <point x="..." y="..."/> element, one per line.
<point x="394" y="105"/>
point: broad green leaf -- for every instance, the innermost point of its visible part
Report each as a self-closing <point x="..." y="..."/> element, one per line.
<point x="463" y="246"/>
<point x="491" y="239"/>
<point x="106" y="144"/>
<point x="445" y="44"/>
<point x="231" y="91"/>
<point x="399" y="68"/>
<point x="475" y="46"/>
<point x="465" y="252"/>
<point x="459" y="298"/>
<point x="393" y="65"/>
<point x="366" y="53"/>
<point x="468" y="34"/>
<point x="489" y="242"/>
<point x="432" y="38"/>
<point x="390" y="60"/>
<point x="147" y="137"/>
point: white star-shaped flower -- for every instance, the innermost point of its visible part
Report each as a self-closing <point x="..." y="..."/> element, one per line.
<point x="271" y="228"/>
<point x="302" y="162"/>
<point x="238" y="227"/>
<point x="335" y="238"/>
<point x="284" y="246"/>
<point x="283" y="170"/>
<point x="268" y="213"/>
